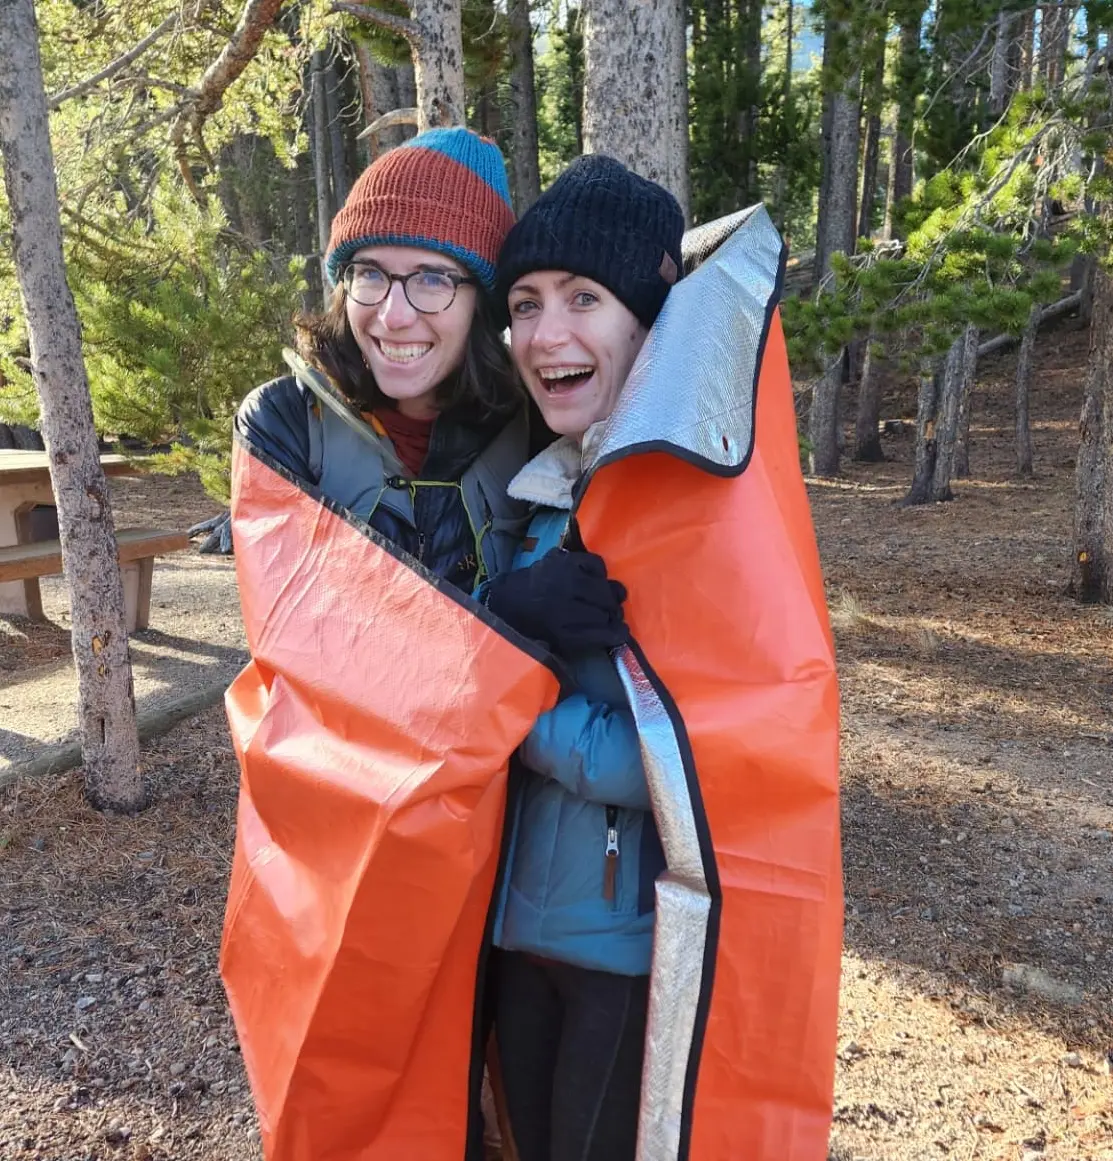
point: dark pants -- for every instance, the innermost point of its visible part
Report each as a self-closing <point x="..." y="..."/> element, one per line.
<point x="570" y="1045"/>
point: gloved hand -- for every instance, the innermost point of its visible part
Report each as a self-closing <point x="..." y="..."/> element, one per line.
<point x="565" y="600"/>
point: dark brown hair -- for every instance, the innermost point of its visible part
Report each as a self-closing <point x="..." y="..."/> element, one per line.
<point x="485" y="380"/>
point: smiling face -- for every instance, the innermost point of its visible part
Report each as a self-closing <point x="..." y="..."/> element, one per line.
<point x="574" y="343"/>
<point x="410" y="353"/>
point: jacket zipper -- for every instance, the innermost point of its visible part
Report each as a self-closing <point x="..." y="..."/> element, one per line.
<point x="610" y="855"/>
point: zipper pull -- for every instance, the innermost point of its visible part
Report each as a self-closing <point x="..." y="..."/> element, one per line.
<point x="610" y="855"/>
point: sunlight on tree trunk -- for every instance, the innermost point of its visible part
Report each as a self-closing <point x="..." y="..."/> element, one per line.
<point x="632" y="88"/>
<point x="106" y="705"/>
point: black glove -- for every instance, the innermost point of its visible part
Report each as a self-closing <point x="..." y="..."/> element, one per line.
<point x="565" y="600"/>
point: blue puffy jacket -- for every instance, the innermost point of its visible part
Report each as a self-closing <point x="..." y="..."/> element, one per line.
<point x="579" y="791"/>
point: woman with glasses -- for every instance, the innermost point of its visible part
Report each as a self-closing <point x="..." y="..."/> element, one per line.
<point x="402" y="406"/>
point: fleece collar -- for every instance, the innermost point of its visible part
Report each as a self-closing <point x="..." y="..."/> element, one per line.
<point x="550" y="476"/>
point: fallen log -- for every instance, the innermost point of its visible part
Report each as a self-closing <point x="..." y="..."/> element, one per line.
<point x="1048" y="314"/>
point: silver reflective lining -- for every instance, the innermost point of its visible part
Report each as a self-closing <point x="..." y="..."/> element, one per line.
<point x="691" y="388"/>
<point x="683" y="907"/>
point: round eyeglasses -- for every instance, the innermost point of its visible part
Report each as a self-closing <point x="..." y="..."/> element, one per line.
<point x="427" y="291"/>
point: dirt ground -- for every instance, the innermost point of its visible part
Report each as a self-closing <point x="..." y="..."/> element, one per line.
<point x="978" y="838"/>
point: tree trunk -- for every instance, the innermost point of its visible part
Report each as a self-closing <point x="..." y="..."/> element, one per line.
<point x="1092" y="570"/>
<point x="961" y="469"/>
<point x="525" y="172"/>
<point x="867" y="427"/>
<point x="920" y="492"/>
<point x="826" y="121"/>
<point x="954" y="397"/>
<point x="106" y="704"/>
<point x="840" y="164"/>
<point x="318" y="145"/>
<point x="870" y="160"/>
<point x="383" y="89"/>
<point x="1026" y="57"/>
<point x="338" y="158"/>
<point x="681" y="186"/>
<point x="823" y="420"/>
<point x="1023" y="390"/>
<point x="901" y="165"/>
<point x="631" y="89"/>
<point x="747" y="65"/>
<point x="300" y="197"/>
<point x="873" y="101"/>
<point x="438" y="58"/>
<point x="780" y="181"/>
<point x="433" y="32"/>
<point x="999" y="65"/>
<point x="1054" y="42"/>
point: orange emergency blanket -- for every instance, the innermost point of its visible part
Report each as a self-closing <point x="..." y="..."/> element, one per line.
<point x="732" y="680"/>
<point x="375" y="723"/>
<point x="373" y="727"/>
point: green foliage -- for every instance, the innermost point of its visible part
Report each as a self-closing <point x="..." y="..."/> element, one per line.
<point x="730" y="166"/>
<point x="177" y="327"/>
<point x="176" y="336"/>
<point x="975" y="252"/>
<point x="559" y="70"/>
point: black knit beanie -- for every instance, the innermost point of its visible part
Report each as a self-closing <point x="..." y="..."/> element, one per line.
<point x="605" y="223"/>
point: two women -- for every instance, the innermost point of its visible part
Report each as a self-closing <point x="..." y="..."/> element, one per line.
<point x="376" y="721"/>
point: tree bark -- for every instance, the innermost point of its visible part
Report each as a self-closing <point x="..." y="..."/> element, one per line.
<point x="901" y="166"/>
<point x="1023" y="390"/>
<point x="873" y="102"/>
<point x="870" y="160"/>
<point x="632" y="107"/>
<point x="926" y="401"/>
<point x="748" y="79"/>
<point x="999" y="65"/>
<point x="823" y="420"/>
<point x="966" y="406"/>
<point x="318" y="145"/>
<point x="106" y="703"/>
<point x="301" y="189"/>
<point x="436" y="46"/>
<point x="338" y="159"/>
<point x="840" y="164"/>
<point x="1092" y="569"/>
<point x="525" y="171"/>
<point x="1026" y="55"/>
<point x="780" y="181"/>
<point x="867" y="427"/>
<point x="1054" y="41"/>
<point x="678" y="109"/>
<point x="954" y="398"/>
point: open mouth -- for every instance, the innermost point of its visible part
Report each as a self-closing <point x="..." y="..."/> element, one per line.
<point x="561" y="380"/>
<point x="402" y="353"/>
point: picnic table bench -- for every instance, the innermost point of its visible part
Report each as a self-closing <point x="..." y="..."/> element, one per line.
<point x="25" y="557"/>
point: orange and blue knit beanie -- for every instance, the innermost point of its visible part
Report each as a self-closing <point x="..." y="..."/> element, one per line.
<point x="443" y="190"/>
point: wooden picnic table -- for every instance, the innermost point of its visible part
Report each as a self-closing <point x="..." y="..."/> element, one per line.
<point x="24" y="485"/>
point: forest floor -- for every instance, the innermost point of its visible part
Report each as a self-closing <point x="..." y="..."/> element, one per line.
<point x="977" y="1003"/>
